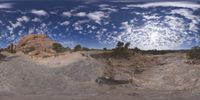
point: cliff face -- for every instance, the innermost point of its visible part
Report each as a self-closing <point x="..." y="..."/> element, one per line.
<point x="36" y="45"/>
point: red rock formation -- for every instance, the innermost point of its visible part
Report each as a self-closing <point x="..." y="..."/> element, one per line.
<point x="36" y="45"/>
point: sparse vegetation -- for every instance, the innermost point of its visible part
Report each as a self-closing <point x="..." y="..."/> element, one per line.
<point x="122" y="50"/>
<point x="68" y="49"/>
<point x="77" y="47"/>
<point x="58" y="48"/>
<point x="194" y="53"/>
<point x="136" y="50"/>
<point x="85" y="49"/>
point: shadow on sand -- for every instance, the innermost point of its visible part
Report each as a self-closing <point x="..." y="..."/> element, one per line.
<point x="108" y="81"/>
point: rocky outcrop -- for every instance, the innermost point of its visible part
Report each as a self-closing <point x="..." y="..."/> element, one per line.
<point x="11" y="48"/>
<point x="36" y="45"/>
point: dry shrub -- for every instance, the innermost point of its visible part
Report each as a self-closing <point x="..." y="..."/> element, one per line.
<point x="194" y="53"/>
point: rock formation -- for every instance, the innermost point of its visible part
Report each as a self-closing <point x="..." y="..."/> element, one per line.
<point x="36" y="45"/>
<point x="11" y="48"/>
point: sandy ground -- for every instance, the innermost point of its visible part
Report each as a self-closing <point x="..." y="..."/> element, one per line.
<point x="61" y="60"/>
<point x="72" y="76"/>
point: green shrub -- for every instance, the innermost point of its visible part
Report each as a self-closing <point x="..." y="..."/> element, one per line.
<point x="194" y="53"/>
<point x="85" y="49"/>
<point x="58" y="48"/>
<point x="77" y="47"/>
<point x="122" y="50"/>
<point x="68" y="49"/>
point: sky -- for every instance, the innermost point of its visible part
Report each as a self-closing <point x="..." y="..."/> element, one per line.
<point x="146" y="24"/>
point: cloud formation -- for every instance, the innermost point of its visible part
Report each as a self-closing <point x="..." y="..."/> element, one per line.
<point x="164" y="25"/>
<point x="5" y="5"/>
<point x="167" y="4"/>
<point x="39" y="12"/>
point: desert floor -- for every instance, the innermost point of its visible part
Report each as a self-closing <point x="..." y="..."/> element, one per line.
<point x="72" y="76"/>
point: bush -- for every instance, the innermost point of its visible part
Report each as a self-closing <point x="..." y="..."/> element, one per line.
<point x="85" y="49"/>
<point x="68" y="49"/>
<point x="77" y="47"/>
<point x="58" y="47"/>
<point x="122" y="50"/>
<point x="136" y="49"/>
<point x="194" y="53"/>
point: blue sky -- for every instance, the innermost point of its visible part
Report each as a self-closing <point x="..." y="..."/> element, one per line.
<point x="99" y="23"/>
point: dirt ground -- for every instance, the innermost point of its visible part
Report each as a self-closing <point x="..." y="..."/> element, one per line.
<point x="72" y="76"/>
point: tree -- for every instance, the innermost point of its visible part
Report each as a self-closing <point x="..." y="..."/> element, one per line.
<point x="127" y="45"/>
<point x="77" y="47"/>
<point x="120" y="44"/>
<point x="58" y="47"/>
<point x="104" y="49"/>
<point x="136" y="49"/>
<point x="121" y="50"/>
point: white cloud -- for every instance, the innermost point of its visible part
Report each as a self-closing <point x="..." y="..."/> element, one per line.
<point x="81" y="14"/>
<point x="23" y="18"/>
<point x="39" y="12"/>
<point x="103" y="5"/>
<point x="152" y="17"/>
<point x="65" y="23"/>
<point x="5" y="5"/>
<point x="83" y="21"/>
<point x="109" y="9"/>
<point x="53" y="12"/>
<point x="10" y="29"/>
<point x="97" y="16"/>
<point x="164" y="30"/>
<point x="169" y="32"/>
<point x="40" y="29"/>
<point x="68" y="43"/>
<point x="36" y="20"/>
<point x="67" y="14"/>
<point x="78" y="27"/>
<point x="167" y="4"/>
<point x="106" y="7"/>
<point x="189" y="15"/>
<point x="18" y="23"/>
